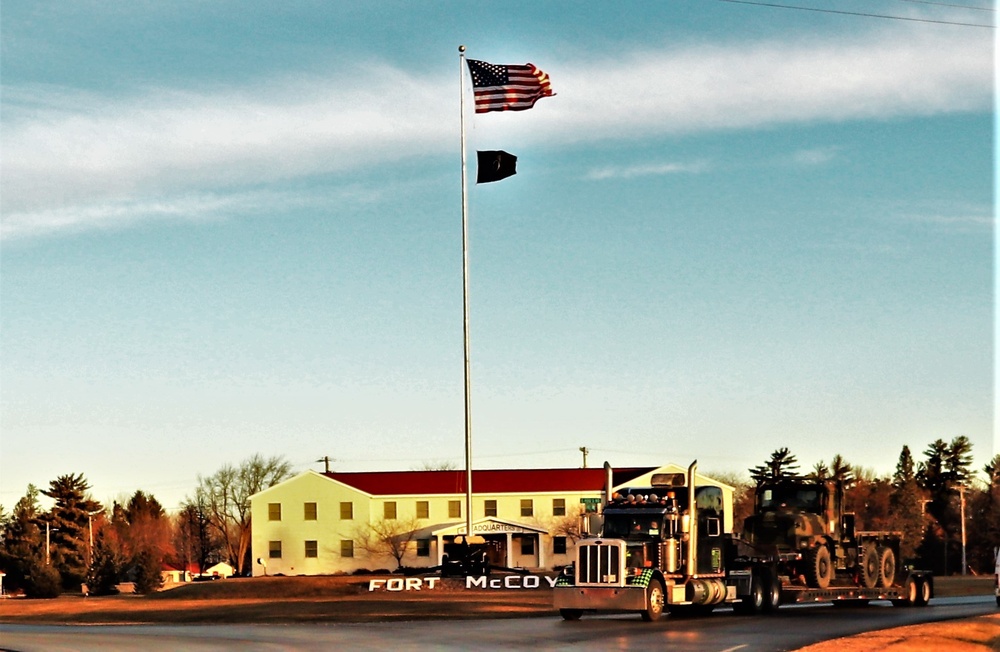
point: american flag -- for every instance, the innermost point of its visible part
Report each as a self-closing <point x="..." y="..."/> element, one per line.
<point x="507" y="88"/>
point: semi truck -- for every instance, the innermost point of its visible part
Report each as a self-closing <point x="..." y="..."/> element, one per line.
<point x="664" y="548"/>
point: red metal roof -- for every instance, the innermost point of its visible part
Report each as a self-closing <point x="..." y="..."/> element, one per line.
<point x="488" y="481"/>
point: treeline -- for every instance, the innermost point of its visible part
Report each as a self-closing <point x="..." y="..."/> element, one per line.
<point x="922" y="499"/>
<point x="80" y="541"/>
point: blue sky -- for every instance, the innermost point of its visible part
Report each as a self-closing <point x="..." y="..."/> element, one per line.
<point x="235" y="228"/>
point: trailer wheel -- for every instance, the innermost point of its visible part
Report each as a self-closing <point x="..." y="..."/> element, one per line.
<point x="911" y="589"/>
<point x="868" y="566"/>
<point x="571" y="614"/>
<point x="753" y="603"/>
<point x="926" y="592"/>
<point x="654" y="601"/>
<point x="886" y="567"/>
<point x="820" y="567"/>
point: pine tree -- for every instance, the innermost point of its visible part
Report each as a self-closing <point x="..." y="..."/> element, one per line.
<point x="946" y="467"/>
<point x="907" y="504"/>
<point x="782" y="464"/>
<point x="22" y="551"/>
<point x="841" y="471"/>
<point x="69" y="522"/>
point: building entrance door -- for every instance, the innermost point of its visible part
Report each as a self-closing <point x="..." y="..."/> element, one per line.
<point x="497" y="551"/>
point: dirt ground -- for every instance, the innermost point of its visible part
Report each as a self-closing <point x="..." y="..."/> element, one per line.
<point x="282" y="600"/>
<point x="970" y="635"/>
<point x="347" y="599"/>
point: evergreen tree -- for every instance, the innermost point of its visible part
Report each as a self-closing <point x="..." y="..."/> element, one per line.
<point x="983" y="509"/>
<point x="820" y="472"/>
<point x="109" y="558"/>
<point x="958" y="460"/>
<point x="906" y="500"/>
<point x="69" y="523"/>
<point x="22" y="551"/>
<point x="946" y="466"/>
<point x="782" y="464"/>
<point x="841" y="471"/>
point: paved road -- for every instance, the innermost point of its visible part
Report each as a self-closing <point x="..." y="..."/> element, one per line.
<point x="790" y="628"/>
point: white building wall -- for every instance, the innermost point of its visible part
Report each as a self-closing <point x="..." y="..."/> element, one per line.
<point x="293" y="530"/>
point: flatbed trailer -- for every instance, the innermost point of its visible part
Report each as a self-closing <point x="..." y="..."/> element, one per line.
<point x="666" y="552"/>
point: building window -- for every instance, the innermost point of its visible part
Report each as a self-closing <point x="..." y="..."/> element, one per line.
<point x="346" y="548"/>
<point x="490" y="508"/>
<point x="423" y="547"/>
<point x="389" y="510"/>
<point x="312" y="550"/>
<point x="527" y="545"/>
<point x="346" y="511"/>
<point x="454" y="509"/>
<point x="423" y="509"/>
<point x="274" y="550"/>
<point x="310" y="512"/>
<point x="527" y="507"/>
<point x="274" y="511"/>
<point x="559" y="545"/>
<point x="559" y="507"/>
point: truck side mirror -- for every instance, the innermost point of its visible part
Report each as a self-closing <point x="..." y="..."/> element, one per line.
<point x="686" y="523"/>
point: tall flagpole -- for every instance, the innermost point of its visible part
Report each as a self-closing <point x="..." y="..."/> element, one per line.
<point x="465" y="305"/>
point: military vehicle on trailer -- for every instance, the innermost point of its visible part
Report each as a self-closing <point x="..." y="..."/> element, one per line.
<point x="801" y="524"/>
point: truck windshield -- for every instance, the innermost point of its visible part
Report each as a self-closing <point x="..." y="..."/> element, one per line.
<point x="804" y="498"/>
<point x="630" y="526"/>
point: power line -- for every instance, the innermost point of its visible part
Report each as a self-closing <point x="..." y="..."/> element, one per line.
<point x="948" y="4"/>
<point x="856" y="13"/>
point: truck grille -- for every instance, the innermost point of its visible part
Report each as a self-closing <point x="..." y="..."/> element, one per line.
<point x="599" y="563"/>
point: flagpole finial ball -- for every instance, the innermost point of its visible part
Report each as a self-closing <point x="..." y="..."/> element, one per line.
<point x="461" y="48"/>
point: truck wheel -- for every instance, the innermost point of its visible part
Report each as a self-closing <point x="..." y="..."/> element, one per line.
<point x="910" y="590"/>
<point x="772" y="591"/>
<point x="820" y="567"/>
<point x="886" y="567"/>
<point x="571" y="614"/>
<point x="654" y="601"/>
<point x="868" y="566"/>
<point x="753" y="603"/>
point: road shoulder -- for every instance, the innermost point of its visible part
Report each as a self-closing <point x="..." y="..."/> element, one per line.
<point x="980" y="634"/>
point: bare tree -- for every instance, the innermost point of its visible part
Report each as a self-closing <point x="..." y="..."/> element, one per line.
<point x="569" y="526"/>
<point x="436" y="465"/>
<point x="387" y="537"/>
<point x="225" y="496"/>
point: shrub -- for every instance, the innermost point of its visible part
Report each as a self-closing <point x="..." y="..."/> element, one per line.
<point x="43" y="582"/>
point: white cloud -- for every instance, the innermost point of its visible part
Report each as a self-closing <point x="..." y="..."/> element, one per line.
<point x="815" y="156"/>
<point x="645" y="170"/>
<point x="71" y="159"/>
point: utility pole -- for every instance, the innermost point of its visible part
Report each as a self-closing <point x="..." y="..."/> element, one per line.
<point x="961" y="493"/>
<point x="326" y="459"/>
<point x="584" y="450"/>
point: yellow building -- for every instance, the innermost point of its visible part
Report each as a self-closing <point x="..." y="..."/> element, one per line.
<point x="326" y="523"/>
